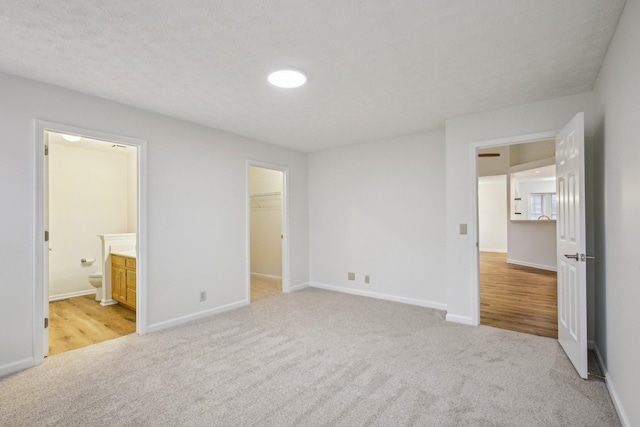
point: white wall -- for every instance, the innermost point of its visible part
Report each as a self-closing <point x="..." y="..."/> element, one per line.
<point x="266" y="222"/>
<point x="378" y="209"/>
<point x="196" y="220"/>
<point x="88" y="195"/>
<point x="532" y="244"/>
<point x="461" y="132"/>
<point x="617" y="165"/>
<point x="492" y="213"/>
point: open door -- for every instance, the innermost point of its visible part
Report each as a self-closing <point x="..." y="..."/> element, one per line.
<point x="571" y="244"/>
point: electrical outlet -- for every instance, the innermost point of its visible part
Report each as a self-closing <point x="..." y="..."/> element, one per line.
<point x="203" y="296"/>
<point x="463" y="228"/>
<point x="367" y="279"/>
<point x="351" y="276"/>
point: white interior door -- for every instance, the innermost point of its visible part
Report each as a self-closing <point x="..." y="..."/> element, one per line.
<point x="46" y="249"/>
<point x="571" y="243"/>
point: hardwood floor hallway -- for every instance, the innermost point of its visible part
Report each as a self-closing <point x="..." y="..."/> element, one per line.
<point x="81" y="321"/>
<point x="517" y="298"/>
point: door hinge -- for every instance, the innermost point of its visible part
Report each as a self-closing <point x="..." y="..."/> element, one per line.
<point x="46" y="236"/>
<point x="46" y="322"/>
<point x="46" y="150"/>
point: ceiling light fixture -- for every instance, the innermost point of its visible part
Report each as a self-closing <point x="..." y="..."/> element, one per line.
<point x="287" y="78"/>
<point x="71" y="138"/>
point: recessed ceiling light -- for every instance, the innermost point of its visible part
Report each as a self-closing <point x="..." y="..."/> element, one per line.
<point x="287" y="78"/>
<point x="71" y="138"/>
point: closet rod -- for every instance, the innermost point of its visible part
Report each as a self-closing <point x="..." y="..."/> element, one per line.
<point x="272" y="193"/>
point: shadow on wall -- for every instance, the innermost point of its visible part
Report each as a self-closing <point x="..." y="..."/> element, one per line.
<point x="597" y="221"/>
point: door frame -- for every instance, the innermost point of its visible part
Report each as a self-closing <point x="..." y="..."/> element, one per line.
<point x="474" y="226"/>
<point x="286" y="261"/>
<point x="41" y="191"/>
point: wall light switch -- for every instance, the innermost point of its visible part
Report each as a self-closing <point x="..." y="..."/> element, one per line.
<point x="463" y="228"/>
<point x="351" y="276"/>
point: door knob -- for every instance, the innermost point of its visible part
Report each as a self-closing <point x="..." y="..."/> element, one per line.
<point x="576" y="256"/>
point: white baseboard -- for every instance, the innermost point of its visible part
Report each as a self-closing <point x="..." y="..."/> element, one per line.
<point x="624" y="419"/>
<point x="533" y="265"/>
<point x="266" y="276"/>
<point x="500" y="251"/>
<point x="298" y="287"/>
<point x="404" y="300"/>
<point x="199" y="315"/>
<point x="68" y="295"/>
<point x="13" y="367"/>
<point x="108" y="302"/>
<point x="465" y="320"/>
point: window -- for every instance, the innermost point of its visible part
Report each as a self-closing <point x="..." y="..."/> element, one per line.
<point x="542" y="205"/>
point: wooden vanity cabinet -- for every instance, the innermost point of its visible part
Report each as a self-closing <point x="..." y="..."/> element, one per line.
<point x="123" y="280"/>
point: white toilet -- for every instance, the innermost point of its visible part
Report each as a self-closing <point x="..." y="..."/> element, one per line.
<point x="95" y="279"/>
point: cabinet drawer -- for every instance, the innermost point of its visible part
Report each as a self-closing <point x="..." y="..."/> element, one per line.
<point x="130" y="262"/>
<point x="118" y="260"/>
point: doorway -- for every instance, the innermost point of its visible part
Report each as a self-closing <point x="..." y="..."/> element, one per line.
<point x="517" y="237"/>
<point x="90" y="188"/>
<point x="571" y="242"/>
<point x="92" y="196"/>
<point x="266" y="225"/>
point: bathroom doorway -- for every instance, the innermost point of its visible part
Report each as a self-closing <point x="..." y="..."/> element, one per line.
<point x="266" y="231"/>
<point x="89" y="268"/>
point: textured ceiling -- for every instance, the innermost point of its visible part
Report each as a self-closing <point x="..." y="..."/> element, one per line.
<point x="376" y="68"/>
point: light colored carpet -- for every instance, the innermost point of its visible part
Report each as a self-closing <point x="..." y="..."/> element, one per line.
<point x="311" y="358"/>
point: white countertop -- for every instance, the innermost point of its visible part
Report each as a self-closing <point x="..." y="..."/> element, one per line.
<point x="130" y="254"/>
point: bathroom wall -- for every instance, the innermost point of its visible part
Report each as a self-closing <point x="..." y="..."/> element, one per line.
<point x="132" y="191"/>
<point x="89" y="194"/>
<point x="266" y="222"/>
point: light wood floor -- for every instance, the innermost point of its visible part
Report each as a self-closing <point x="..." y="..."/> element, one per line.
<point x="264" y="288"/>
<point x="517" y="298"/>
<point x="82" y="321"/>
